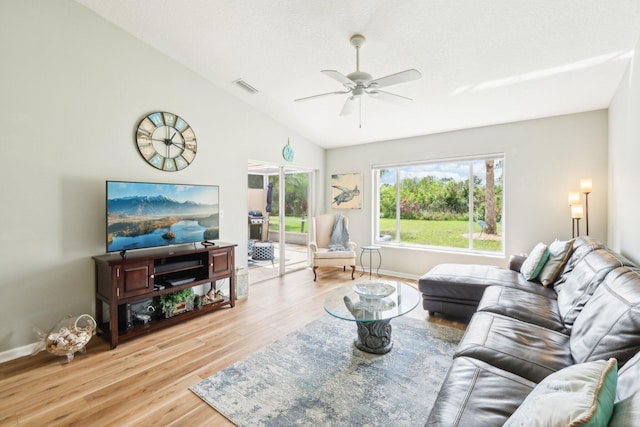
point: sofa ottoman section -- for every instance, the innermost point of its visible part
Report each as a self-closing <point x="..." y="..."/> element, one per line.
<point x="525" y="349"/>
<point x="475" y="393"/>
<point x="454" y="289"/>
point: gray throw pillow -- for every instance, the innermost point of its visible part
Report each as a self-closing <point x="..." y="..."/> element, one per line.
<point x="559" y="253"/>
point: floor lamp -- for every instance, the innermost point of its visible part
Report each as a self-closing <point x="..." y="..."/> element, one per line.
<point x="576" y="215"/>
<point x="574" y="199"/>
<point x="585" y="187"/>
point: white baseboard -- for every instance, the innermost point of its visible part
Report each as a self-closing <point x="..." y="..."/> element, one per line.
<point x="385" y="273"/>
<point x="18" y="352"/>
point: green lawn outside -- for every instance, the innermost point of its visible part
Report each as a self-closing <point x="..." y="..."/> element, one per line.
<point x="437" y="233"/>
<point x="421" y="232"/>
<point x="292" y="224"/>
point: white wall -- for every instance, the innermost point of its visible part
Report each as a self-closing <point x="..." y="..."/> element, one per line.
<point x="544" y="160"/>
<point x="624" y="164"/>
<point x="73" y="88"/>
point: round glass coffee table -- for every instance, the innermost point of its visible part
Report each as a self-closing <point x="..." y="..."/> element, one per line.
<point x="372" y="305"/>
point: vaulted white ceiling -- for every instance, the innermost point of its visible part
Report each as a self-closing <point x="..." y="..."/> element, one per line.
<point x="483" y="62"/>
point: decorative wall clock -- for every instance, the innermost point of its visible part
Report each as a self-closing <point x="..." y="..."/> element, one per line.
<point x="166" y="141"/>
<point x="287" y="152"/>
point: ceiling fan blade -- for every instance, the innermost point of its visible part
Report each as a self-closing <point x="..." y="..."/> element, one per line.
<point x="336" y="75"/>
<point x="394" y="79"/>
<point x="307" y="98"/>
<point x="350" y="104"/>
<point x="390" y="97"/>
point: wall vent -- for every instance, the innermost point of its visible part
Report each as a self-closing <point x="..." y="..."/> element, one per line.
<point x="246" y="86"/>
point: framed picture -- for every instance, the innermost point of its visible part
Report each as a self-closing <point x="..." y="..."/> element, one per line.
<point x="346" y="191"/>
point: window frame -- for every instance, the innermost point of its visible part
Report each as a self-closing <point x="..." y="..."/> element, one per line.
<point x="396" y="240"/>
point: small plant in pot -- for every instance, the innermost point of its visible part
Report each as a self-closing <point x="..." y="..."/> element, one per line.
<point x="168" y="304"/>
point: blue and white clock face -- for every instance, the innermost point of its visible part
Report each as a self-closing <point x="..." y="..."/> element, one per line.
<point x="166" y="141"/>
<point x="287" y="153"/>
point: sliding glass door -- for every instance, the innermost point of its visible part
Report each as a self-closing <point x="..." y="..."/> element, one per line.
<point x="287" y="196"/>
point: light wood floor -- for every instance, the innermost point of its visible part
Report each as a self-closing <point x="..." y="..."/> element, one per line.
<point x="146" y="381"/>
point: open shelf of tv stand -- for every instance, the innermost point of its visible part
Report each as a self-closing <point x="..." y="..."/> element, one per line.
<point x="160" y="323"/>
<point x="128" y="280"/>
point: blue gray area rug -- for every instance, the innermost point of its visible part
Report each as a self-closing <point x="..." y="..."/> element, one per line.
<point x="316" y="377"/>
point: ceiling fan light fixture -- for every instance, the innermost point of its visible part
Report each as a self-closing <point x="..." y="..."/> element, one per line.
<point x="360" y="76"/>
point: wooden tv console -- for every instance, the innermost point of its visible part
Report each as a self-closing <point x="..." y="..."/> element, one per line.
<point x="130" y="279"/>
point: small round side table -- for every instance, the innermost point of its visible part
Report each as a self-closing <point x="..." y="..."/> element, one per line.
<point x="371" y="249"/>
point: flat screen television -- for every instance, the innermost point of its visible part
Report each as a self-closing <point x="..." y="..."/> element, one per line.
<point x="145" y="215"/>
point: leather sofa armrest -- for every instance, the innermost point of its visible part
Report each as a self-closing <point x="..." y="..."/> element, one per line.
<point x="515" y="262"/>
<point x="313" y="246"/>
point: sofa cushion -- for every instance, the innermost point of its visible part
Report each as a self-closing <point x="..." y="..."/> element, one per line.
<point x="559" y="253"/>
<point x="473" y="394"/>
<point x="515" y="280"/>
<point x="324" y="253"/>
<point x="526" y="306"/>
<point x="626" y="411"/>
<point x="587" y="275"/>
<point x="527" y="350"/>
<point x="581" y="247"/>
<point x="609" y="323"/>
<point x="534" y="263"/>
<point x="628" y="376"/>
<point x="579" y="395"/>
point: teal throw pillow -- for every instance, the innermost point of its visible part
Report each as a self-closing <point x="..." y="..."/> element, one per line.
<point x="532" y="266"/>
<point x="579" y="395"/>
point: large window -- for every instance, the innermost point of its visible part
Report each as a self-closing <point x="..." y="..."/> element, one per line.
<point x="454" y="204"/>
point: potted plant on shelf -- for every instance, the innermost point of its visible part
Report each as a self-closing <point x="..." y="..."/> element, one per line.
<point x="175" y="302"/>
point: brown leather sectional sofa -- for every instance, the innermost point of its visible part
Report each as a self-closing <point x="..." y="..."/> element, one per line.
<point x="521" y="332"/>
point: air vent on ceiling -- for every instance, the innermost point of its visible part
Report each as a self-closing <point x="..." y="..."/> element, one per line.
<point x="246" y="86"/>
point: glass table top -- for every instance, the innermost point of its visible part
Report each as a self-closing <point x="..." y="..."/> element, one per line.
<point x="371" y="300"/>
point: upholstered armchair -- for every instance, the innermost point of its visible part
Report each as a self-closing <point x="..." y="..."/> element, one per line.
<point x="323" y="252"/>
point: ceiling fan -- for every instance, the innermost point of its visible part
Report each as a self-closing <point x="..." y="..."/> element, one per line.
<point x="360" y="83"/>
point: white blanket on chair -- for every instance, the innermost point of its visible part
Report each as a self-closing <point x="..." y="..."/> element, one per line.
<point x="339" y="235"/>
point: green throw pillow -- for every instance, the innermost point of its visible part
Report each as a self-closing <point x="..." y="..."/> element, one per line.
<point x="579" y="395"/>
<point x="559" y="253"/>
<point x="532" y="266"/>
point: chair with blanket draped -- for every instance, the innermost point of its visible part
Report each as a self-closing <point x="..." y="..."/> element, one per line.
<point x="330" y="245"/>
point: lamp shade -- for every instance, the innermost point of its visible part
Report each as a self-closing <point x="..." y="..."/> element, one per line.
<point x="576" y="211"/>
<point x="574" y="198"/>
<point x="586" y="185"/>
